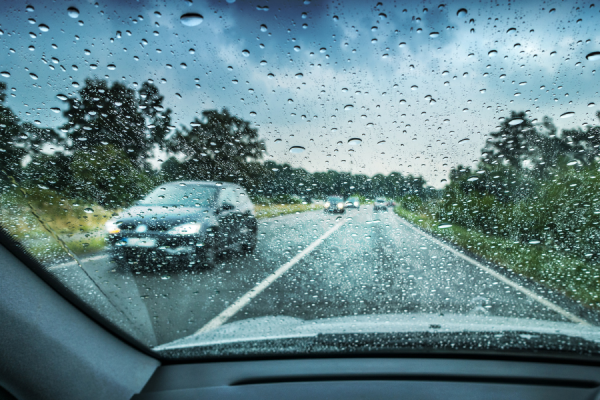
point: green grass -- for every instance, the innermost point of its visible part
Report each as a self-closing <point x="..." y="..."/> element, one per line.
<point x="275" y="210"/>
<point x="560" y="271"/>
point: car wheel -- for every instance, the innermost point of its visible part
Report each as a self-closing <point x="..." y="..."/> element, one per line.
<point x="207" y="258"/>
<point x="249" y="244"/>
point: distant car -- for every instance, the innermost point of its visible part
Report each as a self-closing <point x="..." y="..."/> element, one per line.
<point x="352" y="202"/>
<point x="188" y="222"/>
<point x="334" y="204"/>
<point x="380" y="204"/>
<point x="391" y="203"/>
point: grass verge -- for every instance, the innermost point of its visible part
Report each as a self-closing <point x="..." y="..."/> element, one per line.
<point x="275" y="210"/>
<point x="559" y="271"/>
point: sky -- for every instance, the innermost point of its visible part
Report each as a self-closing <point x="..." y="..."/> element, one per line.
<point x="419" y="84"/>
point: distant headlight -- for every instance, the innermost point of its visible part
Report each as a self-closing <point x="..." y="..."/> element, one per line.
<point x="327" y="204"/>
<point x="340" y="205"/>
<point x="185" y="229"/>
<point x="112" y="227"/>
<point x="356" y="204"/>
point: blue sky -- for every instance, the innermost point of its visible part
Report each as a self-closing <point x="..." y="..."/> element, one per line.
<point x="368" y="70"/>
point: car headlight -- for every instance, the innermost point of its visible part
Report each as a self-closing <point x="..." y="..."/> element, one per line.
<point x="185" y="229"/>
<point x="340" y="205"/>
<point x="112" y="227"/>
<point x="327" y="204"/>
<point x="356" y="204"/>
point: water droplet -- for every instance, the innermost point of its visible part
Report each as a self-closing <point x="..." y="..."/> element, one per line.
<point x="444" y="226"/>
<point x="33" y="76"/>
<point x="263" y="28"/>
<point x="516" y="121"/>
<point x="5" y="74"/>
<point x="462" y="12"/>
<point x="297" y="149"/>
<point x="183" y="65"/>
<point x="381" y="142"/>
<point x="354" y="141"/>
<point x="88" y="210"/>
<point x="349" y="107"/>
<point x="512" y="30"/>
<point x="534" y="242"/>
<point x="591" y="105"/>
<point x="55" y="109"/>
<point x="245" y="53"/>
<point x="402" y="44"/>
<point x="299" y="76"/>
<point x="61" y="97"/>
<point x="568" y="114"/>
<point x="595" y="56"/>
<point x="463" y="140"/>
<point x="270" y="76"/>
<point x="296" y="48"/>
<point x="473" y="179"/>
<point x="72" y="12"/>
<point x="434" y="34"/>
<point x="191" y="19"/>
<point x="30" y="8"/>
<point x="570" y="164"/>
<point x="112" y="67"/>
<point x="493" y="53"/>
<point x="43" y="27"/>
<point x="382" y="15"/>
<point x="552" y="10"/>
<point x="336" y="18"/>
<point x="414" y="87"/>
<point x="252" y="113"/>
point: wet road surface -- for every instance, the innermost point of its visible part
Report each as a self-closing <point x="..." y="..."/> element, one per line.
<point x="372" y="263"/>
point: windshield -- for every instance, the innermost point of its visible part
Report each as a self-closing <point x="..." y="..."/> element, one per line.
<point x="470" y="132"/>
<point x="184" y="195"/>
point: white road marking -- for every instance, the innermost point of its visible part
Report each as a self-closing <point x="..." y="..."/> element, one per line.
<point x="93" y="258"/>
<point x="245" y="299"/>
<point x="500" y="277"/>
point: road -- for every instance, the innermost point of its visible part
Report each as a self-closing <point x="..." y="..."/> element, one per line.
<point x="370" y="263"/>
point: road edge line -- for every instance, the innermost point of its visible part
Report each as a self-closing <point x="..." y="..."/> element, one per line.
<point x="256" y="290"/>
<point x="547" y="303"/>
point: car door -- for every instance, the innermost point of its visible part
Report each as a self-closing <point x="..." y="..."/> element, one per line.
<point x="227" y="215"/>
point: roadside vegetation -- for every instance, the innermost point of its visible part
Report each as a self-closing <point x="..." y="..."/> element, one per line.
<point x="530" y="205"/>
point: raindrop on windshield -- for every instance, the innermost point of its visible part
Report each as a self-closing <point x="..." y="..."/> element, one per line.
<point x="348" y="107"/>
<point x="354" y="141"/>
<point x="245" y="53"/>
<point x="444" y="226"/>
<point x="30" y="8"/>
<point x="88" y="210"/>
<point x="5" y="74"/>
<point x="43" y="27"/>
<point x="73" y="12"/>
<point x="434" y="34"/>
<point x="296" y="48"/>
<point x="111" y="67"/>
<point x="493" y="53"/>
<point x="191" y="19"/>
<point x="473" y="179"/>
<point x="595" y="56"/>
<point x="462" y="12"/>
<point x="512" y="30"/>
<point x="33" y="76"/>
<point x="516" y="121"/>
<point x="568" y="114"/>
<point x="263" y="28"/>
<point x="296" y="149"/>
<point x="299" y="76"/>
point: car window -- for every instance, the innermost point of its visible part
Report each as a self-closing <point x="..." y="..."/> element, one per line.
<point x="182" y="195"/>
<point x="465" y="137"/>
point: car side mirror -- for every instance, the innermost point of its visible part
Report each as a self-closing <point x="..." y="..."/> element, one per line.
<point x="225" y="207"/>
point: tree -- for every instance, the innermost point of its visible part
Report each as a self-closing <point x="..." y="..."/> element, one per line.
<point x="510" y="143"/>
<point x="219" y="145"/>
<point x="116" y="115"/>
<point x="12" y="139"/>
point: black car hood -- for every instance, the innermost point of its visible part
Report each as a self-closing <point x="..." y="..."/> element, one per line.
<point x="160" y="218"/>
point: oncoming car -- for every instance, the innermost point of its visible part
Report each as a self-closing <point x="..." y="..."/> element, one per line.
<point x="380" y="204"/>
<point x="352" y="202"/>
<point x="189" y="223"/>
<point x="334" y="204"/>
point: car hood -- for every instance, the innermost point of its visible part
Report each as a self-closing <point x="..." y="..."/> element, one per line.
<point x="157" y="217"/>
<point x="282" y="327"/>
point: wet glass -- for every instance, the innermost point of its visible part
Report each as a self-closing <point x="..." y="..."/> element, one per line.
<point x="182" y="168"/>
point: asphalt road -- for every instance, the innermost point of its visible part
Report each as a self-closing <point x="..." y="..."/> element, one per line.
<point x="372" y="263"/>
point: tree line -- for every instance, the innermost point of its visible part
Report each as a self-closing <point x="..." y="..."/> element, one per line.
<point x="102" y="153"/>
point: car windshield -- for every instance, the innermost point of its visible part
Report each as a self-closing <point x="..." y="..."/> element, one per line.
<point x="470" y="132"/>
<point x="180" y="195"/>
